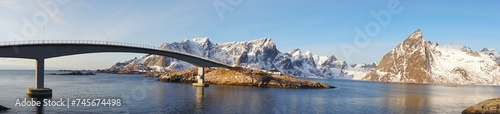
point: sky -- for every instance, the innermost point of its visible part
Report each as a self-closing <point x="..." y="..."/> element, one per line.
<point x="357" y="31"/>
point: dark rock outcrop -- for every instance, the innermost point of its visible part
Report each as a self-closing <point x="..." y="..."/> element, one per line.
<point x="2" y="108"/>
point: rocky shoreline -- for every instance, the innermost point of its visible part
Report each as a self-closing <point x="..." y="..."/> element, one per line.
<point x="491" y="106"/>
<point x="240" y="78"/>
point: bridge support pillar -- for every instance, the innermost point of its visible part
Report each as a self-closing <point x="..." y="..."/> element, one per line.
<point x="201" y="78"/>
<point x="39" y="90"/>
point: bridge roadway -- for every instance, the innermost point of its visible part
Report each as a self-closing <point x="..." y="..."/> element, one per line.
<point x="44" y="49"/>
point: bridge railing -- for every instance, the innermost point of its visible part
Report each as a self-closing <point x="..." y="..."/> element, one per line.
<point x="95" y="42"/>
<point x="29" y="42"/>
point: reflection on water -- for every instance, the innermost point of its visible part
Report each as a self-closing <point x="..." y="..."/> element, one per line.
<point x="413" y="98"/>
<point x="199" y="99"/>
<point x="39" y="109"/>
<point x="224" y="99"/>
<point x="145" y="95"/>
<point x="419" y="98"/>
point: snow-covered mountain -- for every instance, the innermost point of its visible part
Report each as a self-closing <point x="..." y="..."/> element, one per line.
<point x="136" y="64"/>
<point x="418" y="61"/>
<point x="307" y="64"/>
<point x="259" y="54"/>
<point x="493" y="53"/>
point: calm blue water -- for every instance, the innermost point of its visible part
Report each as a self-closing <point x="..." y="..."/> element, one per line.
<point x="145" y="95"/>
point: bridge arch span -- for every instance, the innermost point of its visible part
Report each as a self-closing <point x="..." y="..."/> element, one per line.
<point x="43" y="49"/>
<point x="51" y="49"/>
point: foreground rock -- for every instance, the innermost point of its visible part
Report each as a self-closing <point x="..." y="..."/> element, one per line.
<point x="240" y="78"/>
<point x="2" y="108"/>
<point x="491" y="106"/>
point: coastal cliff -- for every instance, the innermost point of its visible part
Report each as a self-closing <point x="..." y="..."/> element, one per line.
<point x="242" y="78"/>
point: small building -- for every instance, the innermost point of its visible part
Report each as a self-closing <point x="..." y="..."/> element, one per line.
<point x="145" y="70"/>
<point x="275" y="72"/>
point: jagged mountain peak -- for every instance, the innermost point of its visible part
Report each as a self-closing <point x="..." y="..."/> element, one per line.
<point x="416" y="35"/>
<point x="415" y="39"/>
<point x="263" y="40"/>
<point x="490" y="49"/>
<point x="493" y="53"/>
<point x="332" y="57"/>
<point x="308" y="54"/>
<point x="185" y="40"/>
<point x="202" y="40"/>
<point x="413" y="44"/>
<point x="295" y="52"/>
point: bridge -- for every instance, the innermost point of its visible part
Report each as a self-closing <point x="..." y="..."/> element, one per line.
<point x="44" y="49"/>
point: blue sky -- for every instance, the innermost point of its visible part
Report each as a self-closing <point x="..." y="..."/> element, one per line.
<point x="321" y="26"/>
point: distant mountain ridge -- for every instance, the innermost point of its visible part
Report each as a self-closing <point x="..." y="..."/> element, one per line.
<point x="260" y="54"/>
<point x="418" y="61"/>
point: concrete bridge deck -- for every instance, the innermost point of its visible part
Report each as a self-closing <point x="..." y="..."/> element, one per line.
<point x="44" y="49"/>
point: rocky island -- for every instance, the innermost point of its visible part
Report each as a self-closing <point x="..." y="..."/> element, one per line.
<point x="241" y="77"/>
<point x="491" y="106"/>
<point x="74" y="73"/>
